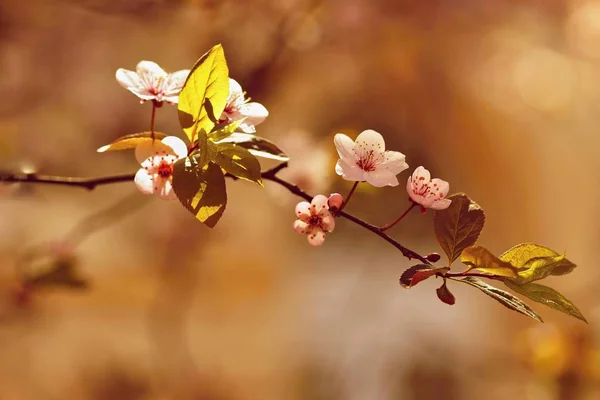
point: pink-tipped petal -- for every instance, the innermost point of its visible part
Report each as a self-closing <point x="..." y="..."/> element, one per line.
<point x="319" y="204"/>
<point x="441" y="187"/>
<point x="380" y="178"/>
<point x="178" y="146"/>
<point x="144" y="181"/>
<point x="441" y="204"/>
<point x="328" y="222"/>
<point x="303" y="209"/>
<point x="316" y="237"/>
<point x="175" y="82"/>
<point x="300" y="226"/>
<point x="345" y="148"/>
<point x="148" y="149"/>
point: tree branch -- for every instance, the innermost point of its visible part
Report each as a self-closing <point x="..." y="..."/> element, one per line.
<point x="270" y="175"/>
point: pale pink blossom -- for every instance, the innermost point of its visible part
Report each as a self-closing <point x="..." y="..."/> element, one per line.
<point x="151" y="82"/>
<point x="335" y="201"/>
<point x="238" y="107"/>
<point x="314" y="219"/>
<point x="427" y="192"/>
<point x="367" y="160"/>
<point x="157" y="160"/>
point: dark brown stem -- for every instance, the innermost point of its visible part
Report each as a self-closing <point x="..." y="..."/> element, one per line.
<point x="270" y="175"/>
<point x="347" y="199"/>
<point x="152" y="116"/>
<point x="391" y="224"/>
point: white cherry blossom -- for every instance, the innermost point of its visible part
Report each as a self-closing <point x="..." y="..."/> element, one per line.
<point x="157" y="160"/>
<point x="151" y="82"/>
<point x="427" y="192"/>
<point x="314" y="219"/>
<point x="367" y="160"/>
<point x="239" y="107"/>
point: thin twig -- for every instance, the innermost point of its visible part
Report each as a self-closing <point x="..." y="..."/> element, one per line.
<point x="270" y="175"/>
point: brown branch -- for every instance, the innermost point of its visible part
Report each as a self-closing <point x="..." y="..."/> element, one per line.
<point x="86" y="183"/>
<point x="270" y="175"/>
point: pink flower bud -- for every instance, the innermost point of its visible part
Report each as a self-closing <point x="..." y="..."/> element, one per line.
<point x="335" y="201"/>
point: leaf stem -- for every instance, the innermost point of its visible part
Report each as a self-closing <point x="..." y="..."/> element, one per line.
<point x="393" y="223"/>
<point x="347" y="199"/>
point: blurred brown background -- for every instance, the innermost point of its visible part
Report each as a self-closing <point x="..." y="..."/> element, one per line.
<point x="500" y="98"/>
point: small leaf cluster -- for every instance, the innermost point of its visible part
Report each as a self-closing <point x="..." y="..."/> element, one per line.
<point x="457" y="230"/>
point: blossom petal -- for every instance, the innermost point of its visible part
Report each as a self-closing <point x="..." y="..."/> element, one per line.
<point x="175" y="82"/>
<point x="144" y="181"/>
<point x="303" y="209"/>
<point x="328" y="222"/>
<point x="164" y="189"/>
<point x="419" y="173"/>
<point x="394" y="161"/>
<point x="177" y="145"/>
<point x="319" y="204"/>
<point x="345" y="147"/>
<point x="148" y="149"/>
<point x="441" y="204"/>
<point x="349" y="172"/>
<point x="371" y="139"/>
<point x="316" y="237"/>
<point x="300" y="226"/>
<point x="381" y="177"/>
<point x="255" y="113"/>
<point x="440" y="186"/>
<point x="150" y="69"/>
<point x="235" y="89"/>
<point x="131" y="81"/>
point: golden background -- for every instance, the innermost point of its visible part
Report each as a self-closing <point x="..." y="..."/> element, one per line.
<point x="500" y="98"/>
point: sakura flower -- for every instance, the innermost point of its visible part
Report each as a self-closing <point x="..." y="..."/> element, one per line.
<point x="151" y="82"/>
<point x="427" y="192"/>
<point x="366" y="159"/>
<point x="314" y="220"/>
<point x="157" y="160"/>
<point x="238" y="107"/>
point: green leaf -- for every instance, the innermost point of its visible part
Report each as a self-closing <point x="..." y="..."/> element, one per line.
<point x="222" y="131"/>
<point x="131" y="141"/>
<point x="480" y="258"/>
<point x="201" y="189"/>
<point x="258" y="146"/>
<point x="238" y="162"/>
<point x="444" y="294"/>
<point x="458" y="226"/>
<point x="536" y="262"/>
<point x="204" y="94"/>
<point x="506" y="299"/>
<point x="206" y="151"/>
<point x="418" y="273"/>
<point x="548" y="297"/>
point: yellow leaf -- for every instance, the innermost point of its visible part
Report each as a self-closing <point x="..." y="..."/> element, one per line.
<point x="204" y="94"/>
<point x="131" y="141"/>
<point x="480" y="258"/>
<point x="536" y="262"/>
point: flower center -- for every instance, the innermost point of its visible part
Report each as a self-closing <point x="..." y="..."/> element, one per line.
<point x="368" y="161"/>
<point x="315" y="220"/>
<point x="165" y="170"/>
